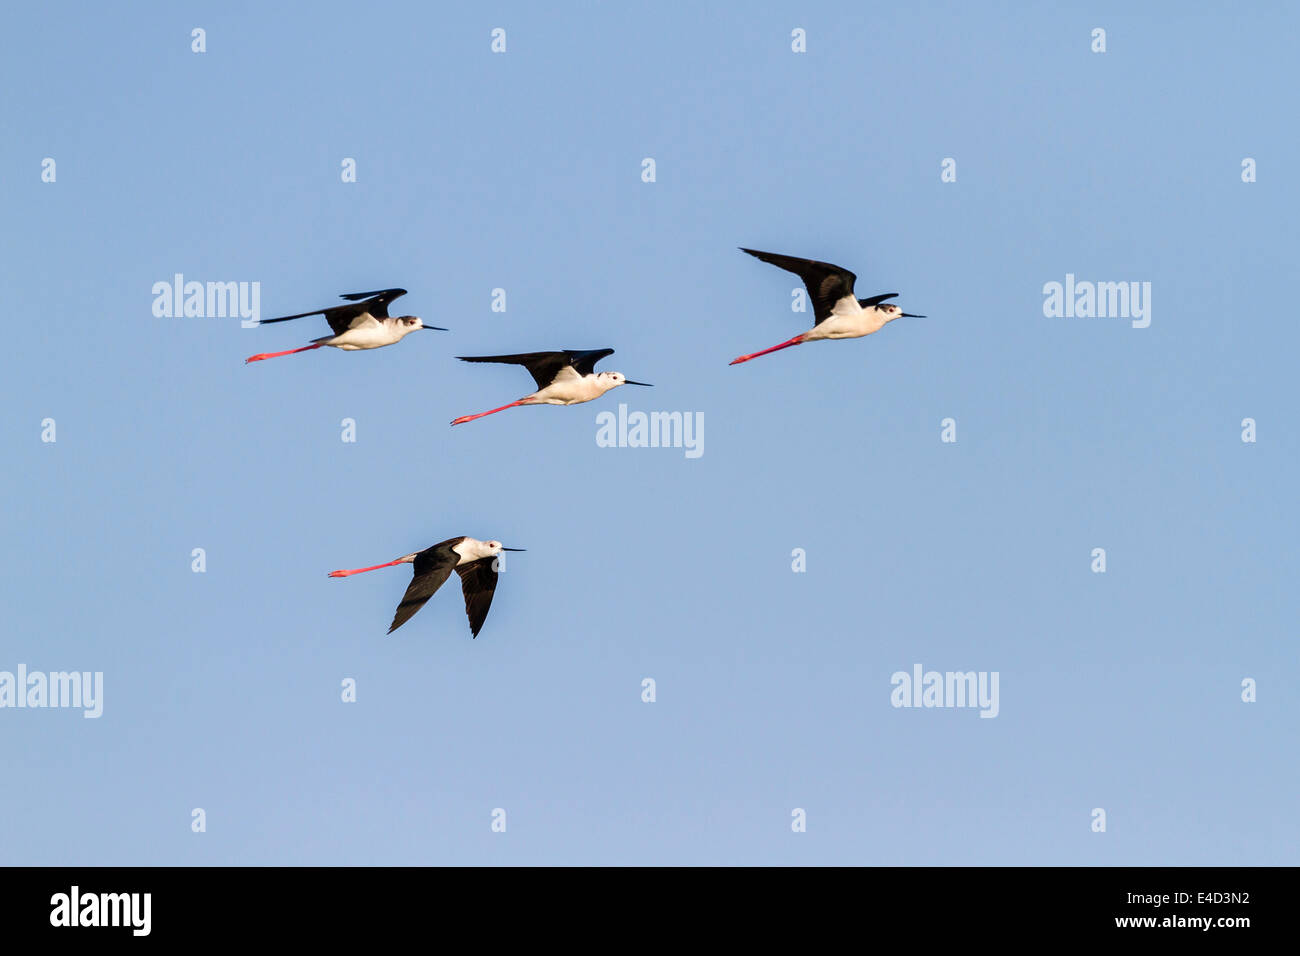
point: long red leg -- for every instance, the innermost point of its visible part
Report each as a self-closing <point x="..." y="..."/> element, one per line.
<point x="344" y="574"/>
<point x="775" y="348"/>
<point x="469" y="418"/>
<point x="267" y="355"/>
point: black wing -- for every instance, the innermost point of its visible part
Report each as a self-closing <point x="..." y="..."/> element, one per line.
<point x="340" y="316"/>
<point x="432" y="568"/>
<point x="544" y="366"/>
<point x="478" y="580"/>
<point x="877" y="299"/>
<point x="826" y="283"/>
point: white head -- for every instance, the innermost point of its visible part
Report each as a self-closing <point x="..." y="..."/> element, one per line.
<point x="608" y="380"/>
<point x="485" y="549"/>
<point x="891" y="312"/>
<point x="412" y="323"/>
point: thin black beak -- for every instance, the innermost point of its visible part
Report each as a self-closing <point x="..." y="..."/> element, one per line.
<point x="514" y="549"/>
<point x="909" y="315"/>
<point x="628" y="381"/>
<point x="434" y="328"/>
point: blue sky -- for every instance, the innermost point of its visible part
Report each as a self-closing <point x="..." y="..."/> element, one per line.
<point x="522" y="171"/>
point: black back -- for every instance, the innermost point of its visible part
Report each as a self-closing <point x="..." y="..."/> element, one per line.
<point x="826" y="283"/>
<point x="432" y="567"/>
<point x="544" y="366"/>
<point x="340" y="316"/>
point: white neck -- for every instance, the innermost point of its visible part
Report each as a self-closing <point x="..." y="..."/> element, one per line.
<point x="472" y="549"/>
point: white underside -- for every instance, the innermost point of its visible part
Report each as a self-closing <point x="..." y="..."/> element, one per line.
<point x="354" y="339"/>
<point x="366" y="332"/>
<point x="847" y="320"/>
<point x="570" y="389"/>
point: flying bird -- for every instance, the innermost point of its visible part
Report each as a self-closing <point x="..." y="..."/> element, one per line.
<point x="566" y="377"/>
<point x="476" y="563"/>
<point x="362" y="324"/>
<point x="838" y="314"/>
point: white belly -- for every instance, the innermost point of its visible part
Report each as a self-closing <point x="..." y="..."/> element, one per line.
<point x="849" y="323"/>
<point x="573" y="391"/>
<point x="354" y="339"/>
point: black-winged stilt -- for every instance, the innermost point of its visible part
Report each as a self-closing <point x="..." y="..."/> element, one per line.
<point x="359" y="325"/>
<point x="567" y="377"/>
<point x="473" y="560"/>
<point x="838" y="314"/>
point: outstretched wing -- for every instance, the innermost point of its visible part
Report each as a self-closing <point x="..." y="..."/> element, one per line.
<point x="546" y="367"/>
<point x="877" y="299"/>
<point x="827" y="284"/>
<point x="432" y="568"/>
<point x="376" y="303"/>
<point x="584" y="363"/>
<point x="478" y="581"/>
<point x="342" y="317"/>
